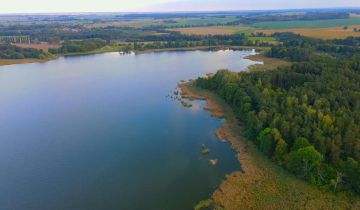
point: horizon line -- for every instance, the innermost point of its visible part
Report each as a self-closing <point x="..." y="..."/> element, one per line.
<point x="172" y="12"/>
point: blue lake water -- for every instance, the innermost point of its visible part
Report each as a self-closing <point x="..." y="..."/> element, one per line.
<point x="98" y="132"/>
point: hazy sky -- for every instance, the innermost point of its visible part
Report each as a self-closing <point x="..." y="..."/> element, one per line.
<point x="35" y="6"/>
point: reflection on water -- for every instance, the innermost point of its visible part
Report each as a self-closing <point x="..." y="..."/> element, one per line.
<point x="196" y="105"/>
<point x="97" y="132"/>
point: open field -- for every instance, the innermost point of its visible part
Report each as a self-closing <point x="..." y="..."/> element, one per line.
<point x="174" y="22"/>
<point x="200" y="21"/>
<point x="308" y="24"/>
<point x="42" y="46"/>
<point x="207" y="31"/>
<point x="131" y="23"/>
<point x="322" y="33"/>
<point x="216" y="30"/>
<point x="268" y="63"/>
<point x="269" y="40"/>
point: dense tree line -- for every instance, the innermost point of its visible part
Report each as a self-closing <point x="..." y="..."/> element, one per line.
<point x="297" y="48"/>
<point x="8" y="51"/>
<point x="182" y="41"/>
<point x="157" y="42"/>
<point x="79" y="46"/>
<point x="56" y="33"/>
<point x="306" y="117"/>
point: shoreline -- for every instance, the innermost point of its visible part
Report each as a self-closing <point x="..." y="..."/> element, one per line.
<point x="6" y="62"/>
<point x="268" y="63"/>
<point x="139" y="52"/>
<point x="229" y="131"/>
<point x="261" y="183"/>
<point x="206" y="48"/>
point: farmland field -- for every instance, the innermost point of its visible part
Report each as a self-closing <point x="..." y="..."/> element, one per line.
<point x="322" y="33"/>
<point x="132" y="23"/>
<point x="216" y="30"/>
<point x="308" y="24"/>
<point x="41" y="46"/>
<point x="200" y="21"/>
<point x="175" y="22"/>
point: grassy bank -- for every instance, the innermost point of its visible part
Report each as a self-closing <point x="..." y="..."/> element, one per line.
<point x="268" y="63"/>
<point x="4" y="62"/>
<point x="262" y="184"/>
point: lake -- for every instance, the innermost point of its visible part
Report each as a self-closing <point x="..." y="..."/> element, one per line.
<point x="98" y="132"/>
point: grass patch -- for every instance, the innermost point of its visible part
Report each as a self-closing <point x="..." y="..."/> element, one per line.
<point x="268" y="63"/>
<point x="203" y="204"/>
<point x="269" y="40"/>
<point x="262" y="39"/>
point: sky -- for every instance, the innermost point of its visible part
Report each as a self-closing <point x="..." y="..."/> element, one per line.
<point x="51" y="6"/>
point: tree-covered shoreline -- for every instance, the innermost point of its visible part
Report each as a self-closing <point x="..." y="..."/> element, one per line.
<point x="306" y="117"/>
<point x="8" y="51"/>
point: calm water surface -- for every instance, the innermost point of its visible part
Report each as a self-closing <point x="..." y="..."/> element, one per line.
<point x="97" y="132"/>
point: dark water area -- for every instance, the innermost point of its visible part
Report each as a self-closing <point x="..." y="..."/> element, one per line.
<point x="98" y="132"/>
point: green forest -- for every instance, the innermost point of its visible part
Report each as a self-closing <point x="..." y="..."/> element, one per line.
<point x="306" y="117"/>
<point x="79" y="46"/>
<point x="8" y="51"/>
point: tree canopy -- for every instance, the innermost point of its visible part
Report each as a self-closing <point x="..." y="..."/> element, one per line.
<point x="305" y="116"/>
